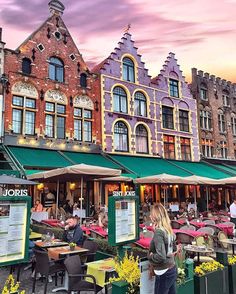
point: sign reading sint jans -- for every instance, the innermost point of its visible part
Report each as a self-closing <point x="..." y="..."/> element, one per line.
<point x="121" y="193"/>
<point x="15" y="192"/>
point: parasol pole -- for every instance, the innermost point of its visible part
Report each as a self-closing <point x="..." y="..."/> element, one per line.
<point x="81" y="197"/>
<point x="207" y="194"/>
<point x="57" y="197"/>
<point x="195" y="200"/>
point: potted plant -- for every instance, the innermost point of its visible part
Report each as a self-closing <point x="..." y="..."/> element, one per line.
<point x="128" y="272"/>
<point x="11" y="287"/>
<point x="211" y="278"/>
<point x="72" y="246"/>
<point x="232" y="274"/>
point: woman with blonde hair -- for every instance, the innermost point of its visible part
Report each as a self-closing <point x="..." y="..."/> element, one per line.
<point x="162" y="251"/>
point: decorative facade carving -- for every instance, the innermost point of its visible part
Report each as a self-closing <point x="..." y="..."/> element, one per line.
<point x="25" y="89"/>
<point x="83" y="101"/>
<point x="55" y="96"/>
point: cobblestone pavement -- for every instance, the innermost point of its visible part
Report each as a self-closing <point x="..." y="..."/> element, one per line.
<point x="26" y="282"/>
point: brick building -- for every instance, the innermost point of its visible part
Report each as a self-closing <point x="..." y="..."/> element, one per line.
<point x="146" y="117"/>
<point x="3" y="82"/>
<point x="49" y="102"/>
<point x="217" y="115"/>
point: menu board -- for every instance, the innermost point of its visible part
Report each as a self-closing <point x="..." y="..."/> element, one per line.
<point x="13" y="230"/>
<point x="122" y="220"/>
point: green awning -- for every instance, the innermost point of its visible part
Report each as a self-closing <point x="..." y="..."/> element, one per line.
<point x="200" y="169"/>
<point x="10" y="172"/>
<point x="147" y="166"/>
<point x="32" y="171"/>
<point x="226" y="168"/>
<point x="91" y="159"/>
<point x="38" y="158"/>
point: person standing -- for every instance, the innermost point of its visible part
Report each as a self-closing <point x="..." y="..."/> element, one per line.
<point x="232" y="210"/>
<point x="38" y="207"/>
<point x="162" y="250"/>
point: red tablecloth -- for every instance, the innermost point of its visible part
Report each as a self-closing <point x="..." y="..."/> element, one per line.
<point x="85" y="230"/>
<point x="198" y="224"/>
<point x="226" y="228"/>
<point x="144" y="242"/>
<point x="51" y="222"/>
<point x="181" y="221"/>
<point x="99" y="230"/>
<point x="149" y="228"/>
<point x="189" y="232"/>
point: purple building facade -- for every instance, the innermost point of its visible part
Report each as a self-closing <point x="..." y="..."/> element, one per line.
<point x="132" y="106"/>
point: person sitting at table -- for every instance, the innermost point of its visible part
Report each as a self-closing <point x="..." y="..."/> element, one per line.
<point x="38" y="207"/>
<point x="73" y="232"/>
<point x="102" y="218"/>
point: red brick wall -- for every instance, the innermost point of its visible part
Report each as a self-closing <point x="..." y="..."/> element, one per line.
<point x="39" y="76"/>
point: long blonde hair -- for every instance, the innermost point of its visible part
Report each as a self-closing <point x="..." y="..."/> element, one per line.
<point x="160" y="218"/>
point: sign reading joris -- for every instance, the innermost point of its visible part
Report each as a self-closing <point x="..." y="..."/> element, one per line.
<point x="15" y="192"/>
<point x="123" y="221"/>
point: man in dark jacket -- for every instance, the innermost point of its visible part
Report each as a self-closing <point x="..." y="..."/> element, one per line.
<point x="73" y="232"/>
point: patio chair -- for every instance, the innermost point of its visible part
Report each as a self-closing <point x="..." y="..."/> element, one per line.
<point x="92" y="247"/>
<point x="77" y="278"/>
<point x="207" y="230"/>
<point x="46" y="267"/>
<point x="221" y="236"/>
<point x="214" y="227"/>
<point x="200" y="241"/>
<point x="184" y="238"/>
<point x="229" y="224"/>
<point x="190" y="227"/>
<point x="209" y="222"/>
<point x="175" y="224"/>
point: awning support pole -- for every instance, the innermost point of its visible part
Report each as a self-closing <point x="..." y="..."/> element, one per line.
<point x="81" y="198"/>
<point x="58" y="184"/>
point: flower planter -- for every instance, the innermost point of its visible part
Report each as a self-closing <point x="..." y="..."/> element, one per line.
<point x="232" y="278"/>
<point x="186" y="288"/>
<point x="212" y="283"/>
<point x="120" y="287"/>
<point x="102" y="255"/>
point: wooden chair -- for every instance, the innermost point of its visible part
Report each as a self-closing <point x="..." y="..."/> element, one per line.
<point x="208" y="230"/>
<point x="175" y="224"/>
<point x="209" y="222"/>
<point x="190" y="227"/>
<point x="184" y="238"/>
<point x="222" y="236"/>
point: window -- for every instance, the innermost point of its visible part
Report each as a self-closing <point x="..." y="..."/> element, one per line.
<point x="169" y="147"/>
<point x="226" y="100"/>
<point x="203" y="94"/>
<point x="223" y="149"/>
<point x="55" y="120"/>
<point x="26" y="66"/>
<point x="83" y="124"/>
<point x="56" y="69"/>
<point x="205" y="120"/>
<point x="141" y="139"/>
<point x="207" y="148"/>
<point x="83" y="80"/>
<point x="174" y="88"/>
<point x="140" y="104"/>
<point x="121" y="137"/>
<point x="233" y="124"/>
<point x="167" y="117"/>
<point x="221" y="122"/>
<point x="119" y="100"/>
<point x="23" y="115"/>
<point x="128" y="70"/>
<point x="185" y="149"/>
<point x="183" y="121"/>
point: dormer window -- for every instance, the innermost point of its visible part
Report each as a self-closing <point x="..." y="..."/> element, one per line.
<point x="174" y="88"/>
<point x="56" y="69"/>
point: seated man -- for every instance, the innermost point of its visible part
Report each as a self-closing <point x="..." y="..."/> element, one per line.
<point x="73" y="232"/>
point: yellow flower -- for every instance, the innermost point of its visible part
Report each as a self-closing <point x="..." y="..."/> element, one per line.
<point x="207" y="267"/>
<point x="10" y="286"/>
<point x="232" y="260"/>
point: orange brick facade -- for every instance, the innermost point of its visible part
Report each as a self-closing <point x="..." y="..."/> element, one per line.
<point x="54" y="40"/>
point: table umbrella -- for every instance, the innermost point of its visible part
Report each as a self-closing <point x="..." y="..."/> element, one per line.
<point x="9" y="180"/>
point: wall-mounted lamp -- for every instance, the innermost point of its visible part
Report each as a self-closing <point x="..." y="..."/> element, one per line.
<point x="41" y="94"/>
<point x="96" y="105"/>
<point x="71" y="101"/>
<point x="40" y="187"/>
<point x="72" y="186"/>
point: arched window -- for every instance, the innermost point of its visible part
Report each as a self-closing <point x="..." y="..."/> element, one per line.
<point x="119" y="100"/>
<point x="128" y="70"/>
<point x="140" y="104"/>
<point x="141" y="135"/>
<point x="83" y="80"/>
<point x="56" y="69"/>
<point x="121" y="137"/>
<point x="26" y="66"/>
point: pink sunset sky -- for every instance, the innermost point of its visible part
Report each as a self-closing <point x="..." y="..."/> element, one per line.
<point x="202" y="33"/>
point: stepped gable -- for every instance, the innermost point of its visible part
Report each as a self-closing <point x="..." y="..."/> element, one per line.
<point x="171" y="69"/>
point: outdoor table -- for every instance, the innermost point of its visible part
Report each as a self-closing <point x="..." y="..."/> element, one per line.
<point x="35" y="236"/>
<point x="62" y="252"/>
<point x="102" y="270"/>
<point x="181" y="221"/>
<point x="39" y="216"/>
<point x="189" y="232"/>
<point x="85" y="230"/>
<point x="199" y="250"/>
<point x="231" y="242"/>
<point x="228" y="229"/>
<point x="48" y="244"/>
<point x="98" y="230"/>
<point x="144" y="242"/>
